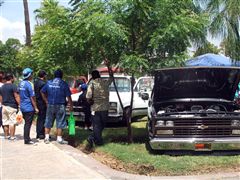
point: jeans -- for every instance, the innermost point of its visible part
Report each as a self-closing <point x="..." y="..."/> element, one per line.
<point x="57" y="112"/>
<point x="41" y="119"/>
<point x="28" y="117"/>
<point x="87" y="120"/>
<point x="98" y="122"/>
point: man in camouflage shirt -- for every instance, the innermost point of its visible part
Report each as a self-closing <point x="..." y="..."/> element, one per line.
<point x="98" y="91"/>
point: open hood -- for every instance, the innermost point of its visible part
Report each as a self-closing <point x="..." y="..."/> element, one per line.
<point x="196" y="82"/>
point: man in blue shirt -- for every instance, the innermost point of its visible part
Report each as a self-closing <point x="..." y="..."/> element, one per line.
<point x="54" y="94"/>
<point x="27" y="103"/>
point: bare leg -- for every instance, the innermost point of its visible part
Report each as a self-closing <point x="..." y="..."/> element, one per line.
<point x="59" y="132"/>
<point x="6" y="131"/>
<point x="12" y="130"/>
<point x="47" y="131"/>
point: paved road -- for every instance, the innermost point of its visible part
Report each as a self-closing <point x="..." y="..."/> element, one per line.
<point x="44" y="161"/>
<point x="54" y="161"/>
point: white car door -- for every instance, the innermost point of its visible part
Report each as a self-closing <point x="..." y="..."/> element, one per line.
<point x="143" y="85"/>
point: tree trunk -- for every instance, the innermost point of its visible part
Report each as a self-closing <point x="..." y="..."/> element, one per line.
<point x="27" y="23"/>
<point x="129" y="115"/>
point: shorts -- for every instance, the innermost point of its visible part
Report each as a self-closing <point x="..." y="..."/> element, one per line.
<point x="57" y="112"/>
<point x="8" y="115"/>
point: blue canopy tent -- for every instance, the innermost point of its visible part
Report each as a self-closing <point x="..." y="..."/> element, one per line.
<point x="211" y="60"/>
<point x="214" y="60"/>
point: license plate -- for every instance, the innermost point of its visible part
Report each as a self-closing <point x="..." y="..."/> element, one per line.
<point x="203" y="147"/>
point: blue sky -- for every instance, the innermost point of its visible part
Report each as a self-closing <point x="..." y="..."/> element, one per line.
<point x="12" y="18"/>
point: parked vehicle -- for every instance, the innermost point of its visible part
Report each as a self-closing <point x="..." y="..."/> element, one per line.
<point x="193" y="109"/>
<point x="123" y="83"/>
<point x="142" y="86"/>
<point x="74" y="82"/>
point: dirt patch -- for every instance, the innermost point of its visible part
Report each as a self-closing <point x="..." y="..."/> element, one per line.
<point x="120" y="166"/>
<point x="149" y="170"/>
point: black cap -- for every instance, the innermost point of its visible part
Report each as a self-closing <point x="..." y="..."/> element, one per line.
<point x="42" y="73"/>
<point x="95" y="74"/>
<point x="58" y="73"/>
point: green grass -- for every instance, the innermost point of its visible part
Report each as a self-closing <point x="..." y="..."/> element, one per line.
<point x="135" y="155"/>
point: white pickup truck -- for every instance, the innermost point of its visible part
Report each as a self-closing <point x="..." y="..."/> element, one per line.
<point x="142" y="86"/>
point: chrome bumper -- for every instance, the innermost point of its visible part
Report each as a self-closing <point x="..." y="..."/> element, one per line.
<point x="231" y="143"/>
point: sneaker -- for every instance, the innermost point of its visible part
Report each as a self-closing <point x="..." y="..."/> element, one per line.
<point x="46" y="141"/>
<point x="62" y="142"/>
<point x="89" y="146"/>
<point x="41" y="137"/>
<point x="90" y="128"/>
<point x="12" y="138"/>
<point x="7" y="137"/>
<point x="30" y="142"/>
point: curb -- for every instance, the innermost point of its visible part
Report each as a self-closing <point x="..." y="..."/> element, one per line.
<point x="118" y="175"/>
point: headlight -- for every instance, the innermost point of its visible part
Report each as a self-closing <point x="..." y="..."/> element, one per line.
<point x="160" y="123"/>
<point x="164" y="132"/>
<point x="169" y="123"/>
<point x="235" y="123"/>
<point x="113" y="104"/>
<point x="236" y="131"/>
<point x="161" y="112"/>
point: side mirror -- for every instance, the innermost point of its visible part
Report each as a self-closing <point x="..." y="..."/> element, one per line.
<point x="145" y="96"/>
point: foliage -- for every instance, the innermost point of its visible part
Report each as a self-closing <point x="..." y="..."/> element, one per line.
<point x="207" y="48"/>
<point x="225" y="19"/>
<point x="97" y="32"/>
<point x="157" y="31"/>
<point x="134" y="64"/>
<point x="8" y="56"/>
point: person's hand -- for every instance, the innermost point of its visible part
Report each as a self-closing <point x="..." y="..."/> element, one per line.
<point x="71" y="109"/>
<point x="36" y="110"/>
<point x="106" y="62"/>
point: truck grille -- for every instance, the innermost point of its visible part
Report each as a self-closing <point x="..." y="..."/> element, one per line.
<point x="202" y="127"/>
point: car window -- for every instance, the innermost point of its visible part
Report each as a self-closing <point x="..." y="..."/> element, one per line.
<point x="144" y="84"/>
<point x="123" y="84"/>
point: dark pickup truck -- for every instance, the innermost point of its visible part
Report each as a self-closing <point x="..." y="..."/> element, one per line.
<point x="193" y="108"/>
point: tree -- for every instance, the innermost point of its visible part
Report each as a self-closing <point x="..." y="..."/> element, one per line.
<point x="158" y="33"/>
<point x="225" y="19"/>
<point x="132" y="33"/>
<point x="9" y="56"/>
<point x="27" y="23"/>
<point x="206" y="48"/>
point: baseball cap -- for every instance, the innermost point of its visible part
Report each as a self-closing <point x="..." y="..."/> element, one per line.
<point x="27" y="72"/>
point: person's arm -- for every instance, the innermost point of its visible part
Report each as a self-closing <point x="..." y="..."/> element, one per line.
<point x="70" y="103"/>
<point x="0" y="99"/>
<point x="0" y="95"/>
<point x="110" y="79"/>
<point x="89" y="94"/>
<point x="68" y="95"/>
<point x="43" y="93"/>
<point x="44" y="96"/>
<point x="33" y="100"/>
<point x="17" y="98"/>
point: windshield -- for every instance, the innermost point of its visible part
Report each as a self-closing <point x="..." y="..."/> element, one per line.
<point x="123" y="84"/>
